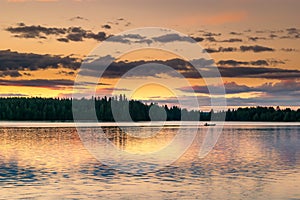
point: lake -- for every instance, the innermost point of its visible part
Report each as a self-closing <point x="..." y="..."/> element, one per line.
<point x="249" y="161"/>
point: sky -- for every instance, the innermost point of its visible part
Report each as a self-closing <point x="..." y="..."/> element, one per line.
<point x="254" y="45"/>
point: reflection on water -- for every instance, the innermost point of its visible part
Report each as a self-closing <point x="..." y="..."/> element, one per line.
<point x="248" y="162"/>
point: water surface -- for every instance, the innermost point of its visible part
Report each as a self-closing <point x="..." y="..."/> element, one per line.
<point x="249" y="161"/>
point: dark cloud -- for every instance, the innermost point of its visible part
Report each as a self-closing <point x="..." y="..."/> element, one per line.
<point x="221" y="49"/>
<point x="293" y="31"/>
<point x="172" y="37"/>
<point x="257" y="38"/>
<point x="235" y="63"/>
<point x="118" y="69"/>
<point x="230" y="88"/>
<point x="259" y="72"/>
<point x="15" y="61"/>
<point x="197" y="39"/>
<point x="272" y="36"/>
<point x="76" y="37"/>
<point x="235" y="33"/>
<point x="231" y="40"/>
<point x="130" y="38"/>
<point x="24" y="31"/>
<point x="71" y="73"/>
<point x="288" y="49"/>
<point x="211" y="39"/>
<point x="106" y="26"/>
<point x="63" y="40"/>
<point x="11" y="73"/>
<point x="211" y="34"/>
<point x="100" y="36"/>
<point x="285" y="87"/>
<point x="78" y="18"/>
<point x="275" y="62"/>
<point x="255" y="48"/>
<point x="227" y="68"/>
<point x="44" y="83"/>
<point x="75" y="34"/>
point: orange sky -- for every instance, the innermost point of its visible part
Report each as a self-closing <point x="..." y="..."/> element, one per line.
<point x="31" y="26"/>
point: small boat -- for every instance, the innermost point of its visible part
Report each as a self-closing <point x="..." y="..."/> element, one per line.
<point x="207" y="124"/>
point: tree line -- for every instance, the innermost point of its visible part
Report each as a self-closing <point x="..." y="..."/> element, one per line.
<point x="109" y="109"/>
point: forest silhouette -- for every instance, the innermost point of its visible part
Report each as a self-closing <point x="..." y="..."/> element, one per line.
<point x="60" y="109"/>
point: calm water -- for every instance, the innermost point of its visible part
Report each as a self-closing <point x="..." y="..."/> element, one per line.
<point x="248" y="162"/>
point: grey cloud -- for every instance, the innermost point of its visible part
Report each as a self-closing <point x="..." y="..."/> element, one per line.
<point x="235" y="33"/>
<point x="63" y="40"/>
<point x="78" y="18"/>
<point x="221" y="49"/>
<point x="211" y="34"/>
<point x="128" y="38"/>
<point x="256" y="38"/>
<point x="231" y="40"/>
<point x="11" y="73"/>
<point x="117" y="69"/>
<point x="255" y="48"/>
<point x="24" y="31"/>
<point x="230" y="88"/>
<point x="75" y="34"/>
<point x="286" y="87"/>
<point x="10" y="60"/>
<point x="288" y="49"/>
<point x="197" y="39"/>
<point x="259" y="72"/>
<point x="44" y="83"/>
<point x="71" y="73"/>
<point x="293" y="31"/>
<point x="211" y="39"/>
<point x="172" y="37"/>
<point x="235" y="63"/>
<point x="75" y="37"/>
<point x="106" y="26"/>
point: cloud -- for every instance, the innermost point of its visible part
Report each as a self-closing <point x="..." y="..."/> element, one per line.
<point x="33" y="31"/>
<point x="293" y="31"/>
<point x="75" y="34"/>
<point x="172" y="37"/>
<point x="11" y="73"/>
<point x="197" y="39"/>
<point x="106" y="26"/>
<point x="211" y="34"/>
<point x="235" y="63"/>
<point x="211" y="39"/>
<point x="284" y="87"/>
<point x="227" y="68"/>
<point x="128" y="38"/>
<point x="63" y="40"/>
<point x="78" y="18"/>
<point x="118" y="69"/>
<point x="230" y="88"/>
<point x="288" y="49"/>
<point x="235" y="33"/>
<point x="259" y="72"/>
<point x="257" y="38"/>
<point x="221" y="49"/>
<point x="43" y="83"/>
<point x="11" y="61"/>
<point x="255" y="48"/>
<point x="65" y="73"/>
<point x="231" y="40"/>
